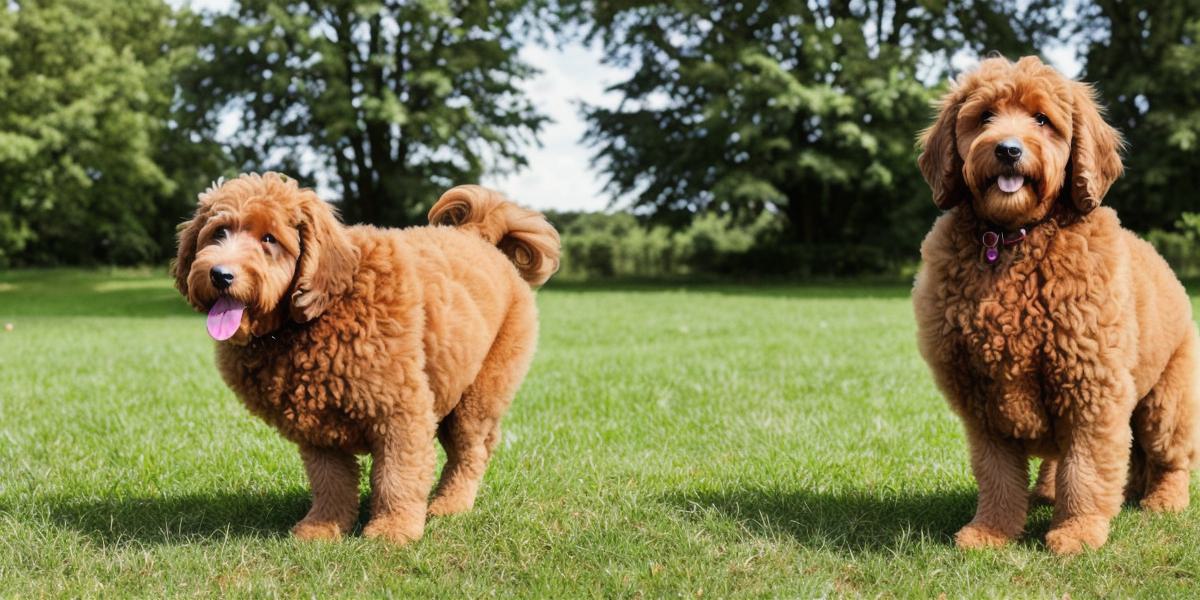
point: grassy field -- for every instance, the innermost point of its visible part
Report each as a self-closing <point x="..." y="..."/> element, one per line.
<point x="696" y="441"/>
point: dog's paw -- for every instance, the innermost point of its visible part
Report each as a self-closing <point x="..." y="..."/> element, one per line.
<point x="317" y="530"/>
<point x="1043" y="493"/>
<point x="395" y="529"/>
<point x="1077" y="534"/>
<point x="449" y="505"/>
<point x="1169" y="494"/>
<point x="1039" y="499"/>
<point x="974" y="535"/>
<point x="1165" y="502"/>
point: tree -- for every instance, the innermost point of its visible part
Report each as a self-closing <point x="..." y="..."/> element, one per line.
<point x="398" y="99"/>
<point x="85" y="91"/>
<point x="807" y="109"/>
<point x="1145" y="61"/>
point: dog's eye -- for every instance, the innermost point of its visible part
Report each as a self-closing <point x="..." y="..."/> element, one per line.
<point x="986" y="116"/>
<point x="221" y="233"/>
<point x="1041" y="119"/>
<point x="268" y="238"/>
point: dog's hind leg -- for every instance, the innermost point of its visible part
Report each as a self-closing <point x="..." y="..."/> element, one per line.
<point x="1135" y="484"/>
<point x="1043" y="490"/>
<point x="470" y="433"/>
<point x="466" y="460"/>
<point x="1164" y="426"/>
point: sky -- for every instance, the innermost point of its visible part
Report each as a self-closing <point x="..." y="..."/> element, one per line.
<point x="560" y="175"/>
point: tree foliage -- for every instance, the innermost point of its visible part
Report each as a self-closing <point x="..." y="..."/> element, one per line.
<point x="85" y="90"/>
<point x="807" y="109"/>
<point x="1145" y="60"/>
<point x="755" y="134"/>
<point x="397" y="99"/>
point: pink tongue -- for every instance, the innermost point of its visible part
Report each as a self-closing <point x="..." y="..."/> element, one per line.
<point x="224" y="318"/>
<point x="1010" y="183"/>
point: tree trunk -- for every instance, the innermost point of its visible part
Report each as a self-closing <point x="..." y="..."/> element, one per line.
<point x="799" y="211"/>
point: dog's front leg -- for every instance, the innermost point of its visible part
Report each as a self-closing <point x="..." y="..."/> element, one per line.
<point x="402" y="474"/>
<point x="1001" y="469"/>
<point x="1091" y="477"/>
<point x="333" y="477"/>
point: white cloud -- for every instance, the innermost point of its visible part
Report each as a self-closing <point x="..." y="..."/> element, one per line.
<point x="559" y="175"/>
<point x="1064" y="59"/>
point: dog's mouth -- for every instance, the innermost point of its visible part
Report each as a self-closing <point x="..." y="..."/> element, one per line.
<point x="1011" y="183"/>
<point x="225" y="317"/>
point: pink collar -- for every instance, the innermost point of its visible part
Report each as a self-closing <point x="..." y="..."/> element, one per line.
<point x="992" y="242"/>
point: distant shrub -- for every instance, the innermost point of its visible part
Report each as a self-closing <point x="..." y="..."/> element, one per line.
<point x="599" y="245"/>
<point x="1181" y="247"/>
<point x="605" y="245"/>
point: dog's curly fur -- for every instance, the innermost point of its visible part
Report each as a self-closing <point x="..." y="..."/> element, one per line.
<point x="365" y="340"/>
<point x="1077" y="345"/>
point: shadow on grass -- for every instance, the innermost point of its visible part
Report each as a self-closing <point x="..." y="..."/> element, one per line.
<point x="183" y="518"/>
<point x="847" y="522"/>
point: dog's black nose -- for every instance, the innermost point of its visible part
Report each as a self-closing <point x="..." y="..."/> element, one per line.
<point x="1009" y="150"/>
<point x="221" y="276"/>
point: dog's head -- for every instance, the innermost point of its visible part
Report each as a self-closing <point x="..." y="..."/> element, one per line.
<point x="261" y="250"/>
<point x="1012" y="138"/>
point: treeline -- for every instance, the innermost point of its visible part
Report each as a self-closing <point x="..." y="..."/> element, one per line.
<point x="753" y="137"/>
<point x="1181" y="246"/>
<point x="619" y="246"/>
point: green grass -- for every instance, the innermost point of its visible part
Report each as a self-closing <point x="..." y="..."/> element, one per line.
<point x="669" y="441"/>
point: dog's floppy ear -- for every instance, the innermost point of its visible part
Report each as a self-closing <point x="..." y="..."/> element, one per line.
<point x="1095" y="151"/>
<point x="940" y="163"/>
<point x="327" y="259"/>
<point x="188" y="233"/>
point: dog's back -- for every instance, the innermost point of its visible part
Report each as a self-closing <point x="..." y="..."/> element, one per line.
<point x="472" y="274"/>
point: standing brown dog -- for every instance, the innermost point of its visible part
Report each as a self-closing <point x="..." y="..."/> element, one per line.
<point x="353" y="340"/>
<point x="1052" y="331"/>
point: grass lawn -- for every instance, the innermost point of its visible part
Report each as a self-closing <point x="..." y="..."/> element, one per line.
<point x="670" y="441"/>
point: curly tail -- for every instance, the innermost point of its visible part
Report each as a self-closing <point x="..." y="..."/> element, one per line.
<point x="523" y="235"/>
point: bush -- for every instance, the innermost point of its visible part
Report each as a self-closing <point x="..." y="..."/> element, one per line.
<point x="1180" y="247"/>
<point x="606" y="245"/>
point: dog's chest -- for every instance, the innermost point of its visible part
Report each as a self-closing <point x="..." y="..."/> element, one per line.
<point x="305" y="395"/>
<point x="1000" y="325"/>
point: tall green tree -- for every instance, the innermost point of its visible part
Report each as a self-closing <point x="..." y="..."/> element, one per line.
<point x="808" y="109"/>
<point x="85" y="93"/>
<point x="398" y="99"/>
<point x="1145" y="60"/>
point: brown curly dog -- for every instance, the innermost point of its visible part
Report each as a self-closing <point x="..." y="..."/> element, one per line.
<point x="355" y="340"/>
<point x="1051" y="331"/>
